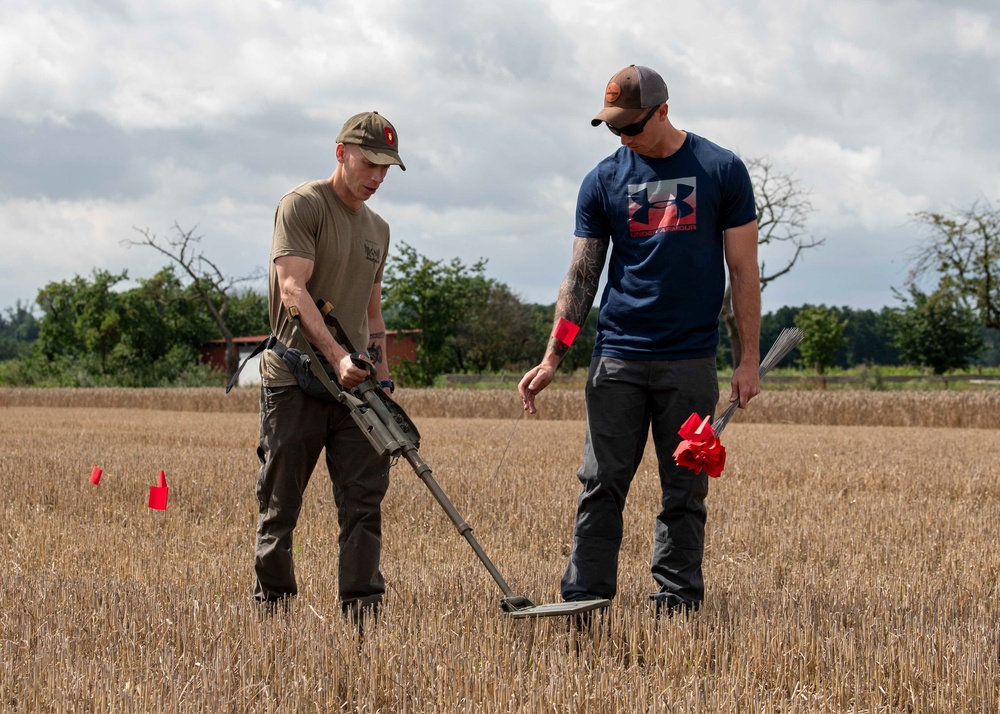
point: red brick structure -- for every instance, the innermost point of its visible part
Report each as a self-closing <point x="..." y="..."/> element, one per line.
<point x="213" y="352"/>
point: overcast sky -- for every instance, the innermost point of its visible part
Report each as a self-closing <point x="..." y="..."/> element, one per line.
<point x="123" y="114"/>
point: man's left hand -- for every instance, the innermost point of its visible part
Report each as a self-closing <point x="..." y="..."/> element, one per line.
<point x="745" y="384"/>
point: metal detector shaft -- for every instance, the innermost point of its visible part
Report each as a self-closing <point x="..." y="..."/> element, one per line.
<point x="388" y="434"/>
<point x="391" y="432"/>
<point x="424" y="472"/>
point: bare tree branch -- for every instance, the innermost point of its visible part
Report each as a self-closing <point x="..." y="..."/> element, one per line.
<point x="210" y="284"/>
<point x="783" y="209"/>
<point x="964" y="249"/>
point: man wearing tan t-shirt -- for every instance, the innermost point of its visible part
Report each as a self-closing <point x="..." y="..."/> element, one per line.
<point x="327" y="245"/>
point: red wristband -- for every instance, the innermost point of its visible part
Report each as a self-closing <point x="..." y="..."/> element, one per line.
<point x="566" y="331"/>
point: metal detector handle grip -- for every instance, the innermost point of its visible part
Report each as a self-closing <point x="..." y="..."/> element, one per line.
<point x="363" y="361"/>
<point x="371" y="423"/>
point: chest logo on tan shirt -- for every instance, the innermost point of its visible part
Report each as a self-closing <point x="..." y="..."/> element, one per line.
<point x="373" y="252"/>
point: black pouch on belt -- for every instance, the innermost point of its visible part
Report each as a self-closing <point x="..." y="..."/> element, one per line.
<point x="299" y="364"/>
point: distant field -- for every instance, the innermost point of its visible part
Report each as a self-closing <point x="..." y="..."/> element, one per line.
<point x="835" y="408"/>
<point x="858" y="378"/>
<point x="849" y="568"/>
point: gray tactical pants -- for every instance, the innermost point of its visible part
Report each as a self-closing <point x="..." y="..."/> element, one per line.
<point x="294" y="428"/>
<point x="624" y="399"/>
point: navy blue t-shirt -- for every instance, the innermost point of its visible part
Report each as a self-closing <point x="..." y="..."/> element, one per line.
<point x="665" y="218"/>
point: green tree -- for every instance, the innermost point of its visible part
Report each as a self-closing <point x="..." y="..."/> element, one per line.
<point x="500" y="333"/>
<point x="868" y="338"/>
<point x="209" y="283"/>
<point x="248" y="313"/>
<point x="467" y="322"/>
<point x="163" y="324"/>
<point x="18" y="329"/>
<point x="437" y="298"/>
<point x="80" y="318"/>
<point x="937" y="330"/>
<point x="771" y="325"/>
<point x="990" y="356"/>
<point x="868" y="335"/>
<point x="964" y="249"/>
<point x="92" y="334"/>
<point x="822" y="336"/>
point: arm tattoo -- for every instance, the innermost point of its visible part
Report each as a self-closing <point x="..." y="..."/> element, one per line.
<point x="579" y="288"/>
<point x="375" y="348"/>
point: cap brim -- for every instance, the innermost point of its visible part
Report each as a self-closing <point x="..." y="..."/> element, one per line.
<point x="619" y="117"/>
<point x="381" y="157"/>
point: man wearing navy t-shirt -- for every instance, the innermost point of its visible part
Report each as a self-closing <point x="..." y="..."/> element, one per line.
<point x="676" y="210"/>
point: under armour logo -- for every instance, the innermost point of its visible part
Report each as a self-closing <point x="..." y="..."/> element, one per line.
<point x="683" y="208"/>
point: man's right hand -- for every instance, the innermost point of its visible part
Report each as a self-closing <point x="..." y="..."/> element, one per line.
<point x="349" y="375"/>
<point x="533" y="382"/>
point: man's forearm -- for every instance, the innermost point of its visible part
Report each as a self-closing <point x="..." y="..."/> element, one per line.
<point x="577" y="292"/>
<point x="376" y="351"/>
<point x="313" y="326"/>
<point x="746" y="309"/>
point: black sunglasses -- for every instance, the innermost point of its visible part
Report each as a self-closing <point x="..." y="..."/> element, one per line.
<point x="633" y="129"/>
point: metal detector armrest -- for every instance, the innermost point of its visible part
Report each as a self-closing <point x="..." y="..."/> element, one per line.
<point x="372" y="425"/>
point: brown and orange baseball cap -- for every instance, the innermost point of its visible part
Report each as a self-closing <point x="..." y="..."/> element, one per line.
<point x="629" y="94"/>
<point x="375" y="135"/>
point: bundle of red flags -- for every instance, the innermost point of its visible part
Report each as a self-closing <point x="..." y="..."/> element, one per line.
<point x="700" y="449"/>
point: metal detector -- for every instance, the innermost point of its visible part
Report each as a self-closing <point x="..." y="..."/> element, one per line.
<point x="391" y="433"/>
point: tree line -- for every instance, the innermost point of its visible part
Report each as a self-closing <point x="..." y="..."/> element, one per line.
<point x="90" y="333"/>
<point x="93" y="333"/>
<point x="928" y="332"/>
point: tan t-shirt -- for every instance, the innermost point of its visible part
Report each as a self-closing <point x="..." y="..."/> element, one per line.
<point x="348" y="249"/>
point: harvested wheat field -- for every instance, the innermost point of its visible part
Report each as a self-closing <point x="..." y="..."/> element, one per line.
<point x="849" y="569"/>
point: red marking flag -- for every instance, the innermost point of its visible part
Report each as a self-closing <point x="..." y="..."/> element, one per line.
<point x="95" y="475"/>
<point x="700" y="449"/>
<point x="566" y="331"/>
<point x="158" y="494"/>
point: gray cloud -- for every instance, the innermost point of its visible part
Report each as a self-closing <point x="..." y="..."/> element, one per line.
<point x="115" y="114"/>
<point x="82" y="159"/>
